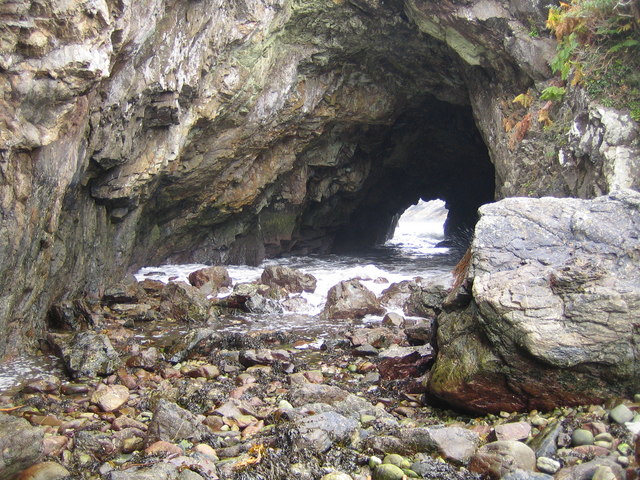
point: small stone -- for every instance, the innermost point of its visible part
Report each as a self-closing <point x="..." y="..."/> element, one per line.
<point x="604" y="437"/>
<point x="603" y="472"/>
<point x="204" y="371"/>
<point x="110" y="397"/>
<point x="131" y="444"/>
<point x="214" y="422"/>
<point x="371" y="377"/>
<point x="538" y="421"/>
<point x="603" y="444"/>
<point x="548" y="465"/>
<point x="54" y="445"/>
<point x="636" y="398"/>
<point x="245" y="420"/>
<point x="581" y="437"/>
<point x="336" y="476"/>
<point x="162" y="447"/>
<point x="374" y="461"/>
<point x="51" y="384"/>
<point x="314" y="376"/>
<point x="410" y="473"/>
<point x="207" y="450"/>
<point x="397" y="460"/>
<point x="496" y="459"/>
<point x="74" y="389"/>
<point x="621" y="414"/>
<point x="513" y="431"/>
<point x="591" y="451"/>
<point x="520" y="474"/>
<point x="44" y="471"/>
<point x="387" y="471"/>
<point x="123" y="422"/>
<point x="624" y="461"/>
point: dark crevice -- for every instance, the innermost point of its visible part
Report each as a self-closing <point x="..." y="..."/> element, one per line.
<point x="432" y="151"/>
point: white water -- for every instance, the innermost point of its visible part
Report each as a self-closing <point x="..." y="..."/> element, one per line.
<point x="411" y="253"/>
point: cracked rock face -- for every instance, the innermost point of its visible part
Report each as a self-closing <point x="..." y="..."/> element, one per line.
<point x="556" y="300"/>
<point x="134" y="133"/>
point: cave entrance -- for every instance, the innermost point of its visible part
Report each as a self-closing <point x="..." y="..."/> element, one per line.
<point x="432" y="151"/>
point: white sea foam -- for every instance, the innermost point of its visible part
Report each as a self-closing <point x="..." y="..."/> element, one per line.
<point x="412" y="252"/>
<point x="418" y="232"/>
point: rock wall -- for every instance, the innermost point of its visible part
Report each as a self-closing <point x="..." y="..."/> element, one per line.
<point x="139" y="132"/>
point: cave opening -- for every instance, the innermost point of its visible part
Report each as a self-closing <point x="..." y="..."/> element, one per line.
<point x="432" y="151"/>
<point x="420" y="226"/>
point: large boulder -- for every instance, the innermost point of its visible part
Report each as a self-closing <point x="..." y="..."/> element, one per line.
<point x="555" y="305"/>
<point x="20" y="445"/>
<point x="172" y="423"/>
<point x="185" y="303"/>
<point x="86" y="353"/>
<point x="351" y="299"/>
<point x="292" y="280"/>
<point x="211" y="279"/>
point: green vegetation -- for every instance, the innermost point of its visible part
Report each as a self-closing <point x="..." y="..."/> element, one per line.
<point x="553" y="93"/>
<point x="599" y="48"/>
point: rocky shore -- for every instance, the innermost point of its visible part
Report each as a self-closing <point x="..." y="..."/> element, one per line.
<point x="157" y="390"/>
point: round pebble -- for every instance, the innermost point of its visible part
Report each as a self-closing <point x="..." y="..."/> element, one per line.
<point x="581" y="437"/>
<point x="410" y="473"/>
<point x="387" y="471"/>
<point x="538" y="421"/>
<point x="336" y="476"/>
<point x="44" y="470"/>
<point x="397" y="460"/>
<point x="604" y="437"/>
<point x="603" y="444"/>
<point x="374" y="461"/>
<point x="621" y="414"/>
<point x="548" y="465"/>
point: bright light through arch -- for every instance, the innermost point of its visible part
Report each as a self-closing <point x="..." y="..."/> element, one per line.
<point x="421" y="226"/>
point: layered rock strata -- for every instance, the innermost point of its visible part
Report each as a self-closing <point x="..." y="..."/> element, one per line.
<point x="140" y="132"/>
<point x="555" y="308"/>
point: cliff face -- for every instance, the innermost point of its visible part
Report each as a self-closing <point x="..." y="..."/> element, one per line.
<point x="133" y="133"/>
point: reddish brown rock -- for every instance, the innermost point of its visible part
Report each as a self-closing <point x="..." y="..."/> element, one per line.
<point x="123" y="422"/>
<point x="44" y="471"/>
<point x="162" y="447"/>
<point x="591" y="450"/>
<point x="54" y="445"/>
<point x="512" y="431"/>
<point x="351" y="299"/>
<point x="211" y="279"/>
<point x="205" y="371"/>
<point x="398" y="363"/>
<point x="110" y="397"/>
<point x="51" y="384"/>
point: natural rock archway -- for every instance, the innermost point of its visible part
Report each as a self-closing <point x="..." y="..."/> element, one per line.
<point x="160" y="130"/>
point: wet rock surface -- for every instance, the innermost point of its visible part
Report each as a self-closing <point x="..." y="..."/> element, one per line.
<point x="351" y="299"/>
<point x="545" y="275"/>
<point x="198" y="402"/>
